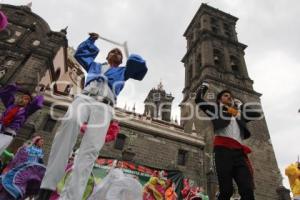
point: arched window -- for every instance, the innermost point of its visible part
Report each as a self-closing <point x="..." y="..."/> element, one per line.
<point x="120" y="141"/>
<point x="57" y="74"/>
<point x="227" y="30"/>
<point x="218" y="58"/>
<point x="182" y="157"/>
<point x="49" y="124"/>
<point x="235" y="64"/>
<point x="68" y="89"/>
<point x="214" y="25"/>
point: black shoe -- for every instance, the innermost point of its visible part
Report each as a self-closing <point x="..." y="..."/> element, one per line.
<point x="44" y="194"/>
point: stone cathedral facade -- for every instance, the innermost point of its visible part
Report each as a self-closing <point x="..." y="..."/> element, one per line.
<point x="31" y="53"/>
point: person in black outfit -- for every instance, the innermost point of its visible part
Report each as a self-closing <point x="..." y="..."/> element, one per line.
<point x="229" y="121"/>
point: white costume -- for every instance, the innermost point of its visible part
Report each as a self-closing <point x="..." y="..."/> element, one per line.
<point x="117" y="186"/>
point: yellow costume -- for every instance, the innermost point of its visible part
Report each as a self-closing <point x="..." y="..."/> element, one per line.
<point x="154" y="189"/>
<point x="293" y="173"/>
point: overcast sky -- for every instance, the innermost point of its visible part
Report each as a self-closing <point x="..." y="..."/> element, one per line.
<point x="154" y="29"/>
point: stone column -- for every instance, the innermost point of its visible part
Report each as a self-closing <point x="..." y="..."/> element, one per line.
<point x="207" y="53"/>
<point x="243" y="65"/>
<point x="227" y="60"/>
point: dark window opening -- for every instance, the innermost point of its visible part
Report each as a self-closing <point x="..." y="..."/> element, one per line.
<point x="199" y="64"/>
<point x="235" y="68"/>
<point x="215" y="30"/>
<point x="57" y="74"/>
<point x="234" y="62"/>
<point x="182" y="157"/>
<point x="215" y="25"/>
<point x="227" y="30"/>
<point x="218" y="58"/>
<point x="228" y="34"/>
<point x="49" y="125"/>
<point x="42" y="88"/>
<point x="68" y="89"/>
<point x="166" y="113"/>
<point x="190" y="74"/>
<point x="213" y="21"/>
<point x="120" y="142"/>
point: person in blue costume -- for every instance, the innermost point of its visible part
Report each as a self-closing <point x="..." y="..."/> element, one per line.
<point x="95" y="106"/>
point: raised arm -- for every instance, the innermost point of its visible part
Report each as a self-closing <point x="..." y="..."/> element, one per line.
<point x="208" y="108"/>
<point x="135" y="68"/>
<point x="86" y="53"/>
<point x="35" y="104"/>
<point x="7" y="94"/>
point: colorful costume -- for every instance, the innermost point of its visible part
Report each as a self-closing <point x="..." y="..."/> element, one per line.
<point x="170" y="194"/>
<point x="14" y="116"/>
<point x="6" y="157"/>
<point x="111" y="135"/>
<point x="3" y="21"/>
<point x="189" y="193"/>
<point x="61" y="185"/>
<point x="94" y="106"/>
<point x="23" y="175"/>
<point x="192" y="193"/>
<point x="154" y="189"/>
<point x="293" y="173"/>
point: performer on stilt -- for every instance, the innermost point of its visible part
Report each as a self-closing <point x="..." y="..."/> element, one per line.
<point x="94" y="106"/>
<point x="16" y="113"/>
<point x="229" y="120"/>
<point x="111" y="135"/>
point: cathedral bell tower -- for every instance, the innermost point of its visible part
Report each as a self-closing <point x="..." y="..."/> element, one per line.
<point x="158" y="104"/>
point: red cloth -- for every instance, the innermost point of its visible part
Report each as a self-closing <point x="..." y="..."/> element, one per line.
<point x="112" y="131"/>
<point x="9" y="116"/>
<point x="233" y="144"/>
